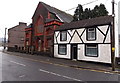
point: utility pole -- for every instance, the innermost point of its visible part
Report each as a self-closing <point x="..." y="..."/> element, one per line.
<point x="5" y="39"/>
<point x="113" y="37"/>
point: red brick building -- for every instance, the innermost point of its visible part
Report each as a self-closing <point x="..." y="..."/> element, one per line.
<point x="28" y="38"/>
<point x="44" y="21"/>
<point x="50" y="26"/>
<point x="16" y="37"/>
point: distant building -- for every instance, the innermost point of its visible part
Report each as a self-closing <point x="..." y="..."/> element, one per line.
<point x="119" y="24"/>
<point x="119" y="17"/>
<point x="1" y="41"/>
<point x="16" y="37"/>
<point x="119" y="44"/>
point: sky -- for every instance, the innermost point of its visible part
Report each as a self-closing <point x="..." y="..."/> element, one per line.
<point x="14" y="11"/>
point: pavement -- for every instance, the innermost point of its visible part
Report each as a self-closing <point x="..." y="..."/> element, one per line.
<point x="93" y="66"/>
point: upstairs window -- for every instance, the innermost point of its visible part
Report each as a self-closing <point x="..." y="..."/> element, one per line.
<point x="91" y="34"/>
<point x="63" y="35"/>
<point x="92" y="50"/>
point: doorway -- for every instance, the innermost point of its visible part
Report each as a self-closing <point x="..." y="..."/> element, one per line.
<point x="74" y="51"/>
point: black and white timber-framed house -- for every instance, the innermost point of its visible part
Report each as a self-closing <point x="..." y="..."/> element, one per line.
<point x="86" y="40"/>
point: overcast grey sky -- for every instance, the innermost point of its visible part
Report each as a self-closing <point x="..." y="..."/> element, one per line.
<point x="14" y="11"/>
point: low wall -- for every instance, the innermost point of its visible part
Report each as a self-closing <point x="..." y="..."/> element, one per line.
<point x="13" y="49"/>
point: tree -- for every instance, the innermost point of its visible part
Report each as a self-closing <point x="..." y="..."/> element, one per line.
<point x="102" y="10"/>
<point x="79" y="14"/>
<point x="95" y="11"/>
<point x="87" y="13"/>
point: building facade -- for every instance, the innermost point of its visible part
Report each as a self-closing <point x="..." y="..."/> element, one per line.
<point x="119" y="17"/>
<point x="16" y="37"/>
<point x="50" y="26"/>
<point x="44" y="21"/>
<point x="28" y="38"/>
<point x="87" y="40"/>
<point x="119" y="24"/>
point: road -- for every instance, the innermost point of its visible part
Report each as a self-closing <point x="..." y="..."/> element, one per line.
<point x="15" y="68"/>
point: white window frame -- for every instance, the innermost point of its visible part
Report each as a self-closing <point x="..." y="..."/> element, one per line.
<point x="61" y="48"/>
<point x="91" y="35"/>
<point x="63" y="37"/>
<point x="94" y="46"/>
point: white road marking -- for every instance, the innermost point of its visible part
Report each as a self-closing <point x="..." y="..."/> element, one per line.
<point x="59" y="75"/>
<point x="21" y="76"/>
<point x="61" y="65"/>
<point x="17" y="63"/>
<point x="108" y="73"/>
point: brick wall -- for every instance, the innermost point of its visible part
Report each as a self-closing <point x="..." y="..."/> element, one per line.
<point x="16" y="35"/>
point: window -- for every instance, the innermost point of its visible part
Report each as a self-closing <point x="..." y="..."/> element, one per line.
<point x="63" y="35"/>
<point x="27" y="43"/>
<point x="62" y="49"/>
<point x="92" y="50"/>
<point x="91" y="34"/>
<point x="22" y="39"/>
<point x="53" y="16"/>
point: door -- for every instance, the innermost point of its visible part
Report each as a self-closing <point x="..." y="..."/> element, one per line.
<point x="74" y="51"/>
<point x="39" y="45"/>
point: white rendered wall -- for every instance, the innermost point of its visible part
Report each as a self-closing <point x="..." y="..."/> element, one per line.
<point x="67" y="56"/>
<point x="76" y="38"/>
<point x="104" y="54"/>
<point x="99" y="36"/>
<point x="81" y="51"/>
<point x="104" y="50"/>
<point x="58" y="38"/>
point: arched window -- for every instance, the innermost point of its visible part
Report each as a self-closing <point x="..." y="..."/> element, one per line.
<point x="40" y="24"/>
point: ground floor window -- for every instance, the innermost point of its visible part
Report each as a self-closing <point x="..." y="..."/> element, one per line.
<point x="62" y="49"/>
<point x="91" y="50"/>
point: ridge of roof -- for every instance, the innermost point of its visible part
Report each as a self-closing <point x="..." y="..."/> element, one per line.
<point x="63" y="16"/>
<point x="87" y="23"/>
<point x="55" y="8"/>
<point x="20" y="23"/>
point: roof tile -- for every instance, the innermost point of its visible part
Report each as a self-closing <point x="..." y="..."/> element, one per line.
<point x="87" y="23"/>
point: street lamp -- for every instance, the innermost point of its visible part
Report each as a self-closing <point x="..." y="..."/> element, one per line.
<point x="5" y="39"/>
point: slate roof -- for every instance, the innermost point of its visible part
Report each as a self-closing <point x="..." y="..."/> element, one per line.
<point x="87" y="23"/>
<point x="18" y="25"/>
<point x="30" y="25"/>
<point x="64" y="17"/>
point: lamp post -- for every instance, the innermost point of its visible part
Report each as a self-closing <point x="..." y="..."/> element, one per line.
<point x="5" y="39"/>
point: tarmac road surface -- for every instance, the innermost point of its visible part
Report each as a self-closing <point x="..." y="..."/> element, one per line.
<point x="15" y="68"/>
